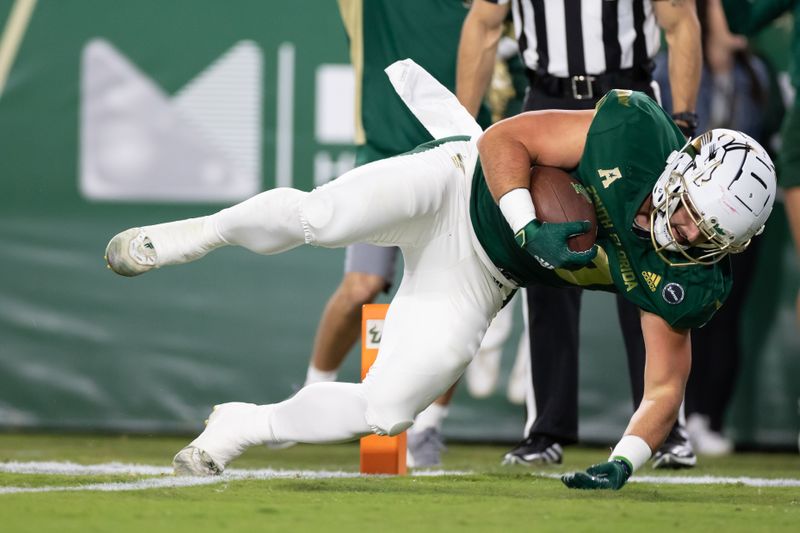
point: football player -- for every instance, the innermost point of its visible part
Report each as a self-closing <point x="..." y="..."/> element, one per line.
<point x="460" y="210"/>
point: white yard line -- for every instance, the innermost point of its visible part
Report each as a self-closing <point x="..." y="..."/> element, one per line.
<point x="142" y="484"/>
<point x="75" y="469"/>
<point x="718" y="480"/>
<point x="166" y="480"/>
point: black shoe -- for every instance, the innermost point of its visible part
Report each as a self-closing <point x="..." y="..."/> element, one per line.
<point x="676" y="452"/>
<point x="535" y="450"/>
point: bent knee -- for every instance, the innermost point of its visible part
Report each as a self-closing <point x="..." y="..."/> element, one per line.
<point x="387" y="421"/>
<point x="325" y="222"/>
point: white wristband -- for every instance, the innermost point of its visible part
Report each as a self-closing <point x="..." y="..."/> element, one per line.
<point x="632" y="448"/>
<point x="517" y="207"/>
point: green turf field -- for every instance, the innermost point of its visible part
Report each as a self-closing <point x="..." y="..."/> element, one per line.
<point x="487" y="498"/>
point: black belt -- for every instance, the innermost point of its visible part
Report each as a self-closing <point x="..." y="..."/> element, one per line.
<point x="589" y="86"/>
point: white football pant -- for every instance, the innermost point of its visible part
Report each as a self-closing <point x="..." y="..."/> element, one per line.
<point x="447" y="297"/>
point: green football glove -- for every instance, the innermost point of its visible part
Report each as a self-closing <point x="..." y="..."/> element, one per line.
<point x="611" y="475"/>
<point x="547" y="243"/>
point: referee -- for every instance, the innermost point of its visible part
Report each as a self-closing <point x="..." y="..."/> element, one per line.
<point x="574" y="52"/>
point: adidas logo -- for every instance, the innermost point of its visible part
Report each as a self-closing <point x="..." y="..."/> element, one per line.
<point x="652" y="280"/>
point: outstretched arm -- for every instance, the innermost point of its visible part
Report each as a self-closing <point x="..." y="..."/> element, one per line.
<point x="669" y="359"/>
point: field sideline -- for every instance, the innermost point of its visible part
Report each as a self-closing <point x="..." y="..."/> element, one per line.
<point x="315" y="488"/>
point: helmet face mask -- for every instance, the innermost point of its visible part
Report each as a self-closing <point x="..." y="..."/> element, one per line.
<point x="726" y="182"/>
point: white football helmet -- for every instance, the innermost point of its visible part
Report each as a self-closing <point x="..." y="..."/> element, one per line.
<point x="727" y="182"/>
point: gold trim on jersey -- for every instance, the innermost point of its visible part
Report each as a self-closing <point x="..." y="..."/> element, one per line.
<point x="598" y="273"/>
<point x="352" y="12"/>
<point x="624" y="96"/>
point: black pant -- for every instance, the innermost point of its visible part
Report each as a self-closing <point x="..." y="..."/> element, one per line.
<point x="553" y="315"/>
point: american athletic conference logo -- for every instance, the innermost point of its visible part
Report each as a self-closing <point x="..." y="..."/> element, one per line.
<point x="673" y="293"/>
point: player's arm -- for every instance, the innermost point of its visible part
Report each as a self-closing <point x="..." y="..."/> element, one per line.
<point x="477" y="50"/>
<point x="746" y="17"/>
<point x="509" y="148"/>
<point x="507" y="151"/>
<point x="669" y="359"/>
<point x="678" y="19"/>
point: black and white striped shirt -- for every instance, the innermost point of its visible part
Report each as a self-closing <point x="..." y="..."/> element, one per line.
<point x="573" y="37"/>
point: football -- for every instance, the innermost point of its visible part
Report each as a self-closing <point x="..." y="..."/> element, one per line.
<point x="558" y="197"/>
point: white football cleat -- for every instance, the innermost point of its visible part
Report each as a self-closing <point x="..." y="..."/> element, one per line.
<point x="230" y="430"/>
<point x="131" y="253"/>
<point x="192" y="461"/>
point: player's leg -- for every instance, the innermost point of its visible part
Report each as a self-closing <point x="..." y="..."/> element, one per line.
<point x="432" y="330"/>
<point x="426" y="344"/>
<point x="369" y="270"/>
<point x="384" y="202"/>
<point x="269" y="222"/>
<point x="425" y="440"/>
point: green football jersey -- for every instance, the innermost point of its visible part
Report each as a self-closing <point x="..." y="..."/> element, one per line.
<point x="626" y="150"/>
<point x="382" y="32"/>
